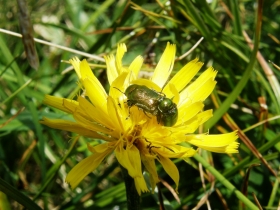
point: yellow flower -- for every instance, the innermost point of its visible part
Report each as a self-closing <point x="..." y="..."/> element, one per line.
<point x="136" y="137"/>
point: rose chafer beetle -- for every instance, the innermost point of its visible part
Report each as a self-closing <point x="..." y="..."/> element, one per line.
<point x="152" y="102"/>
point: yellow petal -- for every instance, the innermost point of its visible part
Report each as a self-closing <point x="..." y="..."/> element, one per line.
<point x="135" y="160"/>
<point x="153" y="182"/>
<point x="204" y="116"/>
<point x="140" y="185"/>
<point x="82" y="108"/>
<point x="135" y="67"/>
<point x="86" y="71"/>
<point x="171" y="92"/>
<point x="201" y="88"/>
<point x="150" y="166"/>
<point x="83" y="168"/>
<point x="101" y="148"/>
<point x="147" y="83"/>
<point x="118" y="87"/>
<point x="210" y="72"/>
<point x="76" y="64"/>
<point x="122" y="157"/>
<point x="119" y="55"/>
<point x="90" y="125"/>
<point x="186" y="112"/>
<point x="94" y="88"/>
<point x="112" y="72"/>
<point x="224" y="143"/>
<point x="232" y="148"/>
<point x="72" y="127"/>
<point x="115" y="116"/>
<point x="170" y="169"/>
<point x="165" y="65"/>
<point x="95" y="114"/>
<point x="186" y="128"/>
<point x="59" y="103"/>
<point x="137" y="117"/>
<point x="185" y="75"/>
<point x="191" y="125"/>
<point x="98" y="96"/>
<point x="117" y="93"/>
<point x="175" y="151"/>
<point x="203" y="92"/>
<point x="96" y="120"/>
<point x="125" y="156"/>
<point x="70" y="105"/>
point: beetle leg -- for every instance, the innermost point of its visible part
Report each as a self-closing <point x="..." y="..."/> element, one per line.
<point x="169" y="149"/>
<point x="146" y="114"/>
<point x="150" y="146"/>
<point x="150" y="143"/>
<point x="159" y="118"/>
<point x="163" y="94"/>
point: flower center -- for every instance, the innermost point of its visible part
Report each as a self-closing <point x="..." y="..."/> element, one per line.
<point x="137" y="139"/>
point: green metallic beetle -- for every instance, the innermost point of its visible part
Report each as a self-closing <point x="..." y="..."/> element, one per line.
<point x="152" y="102"/>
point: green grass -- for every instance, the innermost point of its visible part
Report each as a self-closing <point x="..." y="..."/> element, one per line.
<point x="35" y="159"/>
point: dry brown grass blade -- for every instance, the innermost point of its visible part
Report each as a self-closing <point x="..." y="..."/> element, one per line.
<point x="170" y="188"/>
<point x="24" y="158"/>
<point x="247" y="142"/>
<point x="211" y="179"/>
<point x="257" y="201"/>
<point x="267" y="70"/>
<point x="228" y="120"/>
<point x="277" y="67"/>
<point x="222" y="199"/>
<point x="202" y="201"/>
<point x="27" y="34"/>
<point x="246" y="179"/>
<point x="13" y="117"/>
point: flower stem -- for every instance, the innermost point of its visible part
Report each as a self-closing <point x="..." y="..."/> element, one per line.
<point x="133" y="198"/>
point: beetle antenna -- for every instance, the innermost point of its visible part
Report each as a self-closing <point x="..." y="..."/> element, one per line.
<point x="162" y="89"/>
<point x="118" y="90"/>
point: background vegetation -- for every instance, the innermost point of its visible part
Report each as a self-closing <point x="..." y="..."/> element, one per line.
<point x="35" y="159"/>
